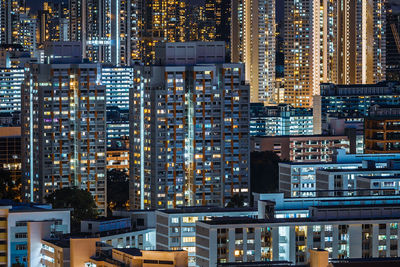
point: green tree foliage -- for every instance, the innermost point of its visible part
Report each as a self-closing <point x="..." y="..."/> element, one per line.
<point x="237" y="201"/>
<point x="117" y="189"/>
<point x="8" y="187"/>
<point x="264" y="172"/>
<point x="81" y="201"/>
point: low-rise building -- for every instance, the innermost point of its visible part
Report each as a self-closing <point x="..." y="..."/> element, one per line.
<point x="22" y="226"/>
<point x="389" y="185"/>
<point x="301" y="148"/>
<point x="120" y="233"/>
<point x="350" y="231"/>
<point x="90" y="252"/>
<point x="344" y="181"/>
<point x="298" y="179"/>
<point x="298" y="207"/>
<point x="140" y="258"/>
<point x="176" y="227"/>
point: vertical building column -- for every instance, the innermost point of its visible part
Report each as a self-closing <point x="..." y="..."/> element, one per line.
<point x="335" y="241"/>
<point x="388" y="240"/>
<point x="310" y="239"/>
<point x="355" y="240"/>
<point x="275" y="243"/>
<point x="244" y="246"/>
<point x="213" y="249"/>
<point x="292" y="244"/>
<point x="375" y="241"/>
<point x="231" y="257"/>
<point x="257" y="244"/>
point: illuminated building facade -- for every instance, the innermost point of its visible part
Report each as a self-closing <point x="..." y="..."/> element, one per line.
<point x="343" y="231"/>
<point x="118" y="82"/>
<point x="382" y="130"/>
<point x="90" y="23"/>
<point x="108" y="30"/>
<point x="11" y="80"/>
<point x="17" y="25"/>
<point x="5" y="22"/>
<point x="392" y="44"/>
<point x="176" y="228"/>
<point x="10" y="154"/>
<point x="53" y="24"/>
<point x="159" y="21"/>
<point x="298" y="58"/>
<point x="353" y="100"/>
<point x="280" y="120"/>
<point x="330" y="41"/>
<point x="253" y="43"/>
<point x="63" y="131"/>
<point x="189" y="129"/>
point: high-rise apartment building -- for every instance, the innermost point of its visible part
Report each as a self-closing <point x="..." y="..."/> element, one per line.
<point x="109" y="30"/>
<point x="11" y="80"/>
<point x="392" y="44"/>
<point x="189" y="134"/>
<point x="118" y="82"/>
<point x="90" y="23"/>
<point x="253" y="43"/>
<point x="53" y="24"/>
<point x="159" y="21"/>
<point x="17" y="25"/>
<point x="332" y="41"/>
<point x="63" y="131"/>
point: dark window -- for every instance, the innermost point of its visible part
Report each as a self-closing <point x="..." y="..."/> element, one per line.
<point x="21" y="235"/>
<point x="150" y="261"/>
<point x="166" y="262"/>
<point x="90" y="226"/>
<point x="20" y="224"/>
<point x="140" y="222"/>
<point x="239" y="230"/>
<point x="20" y="247"/>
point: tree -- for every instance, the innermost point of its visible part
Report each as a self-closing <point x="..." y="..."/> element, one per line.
<point x="117" y="189"/>
<point x="264" y="172"/>
<point x="81" y="201"/>
<point x="237" y="201"/>
<point x="8" y="188"/>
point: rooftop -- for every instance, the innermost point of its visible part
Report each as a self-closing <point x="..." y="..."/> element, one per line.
<point x="260" y="263"/>
<point x="130" y="251"/>
<point x="25" y="207"/>
<point x="106" y="219"/>
<point x="359" y="170"/>
<point x="205" y="209"/>
<point x="366" y="262"/>
<point x="304" y="136"/>
<point x="62" y="243"/>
